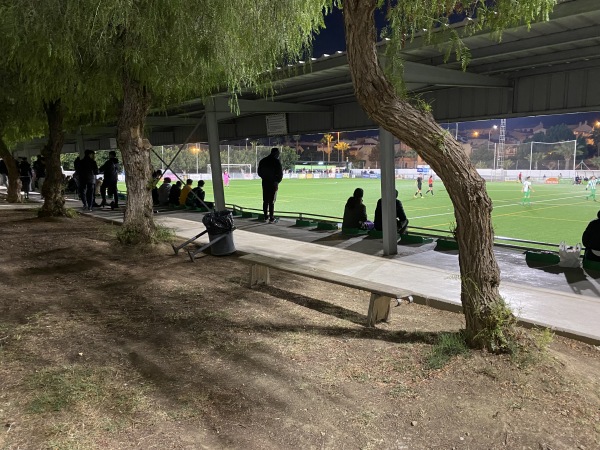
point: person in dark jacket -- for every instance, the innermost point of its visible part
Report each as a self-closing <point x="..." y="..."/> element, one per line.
<point x="271" y="173"/>
<point x="174" y="194"/>
<point x="197" y="198"/>
<point x="156" y="176"/>
<point x="39" y="168"/>
<point x="86" y="172"/>
<point x="355" y="212"/>
<point x="25" y="174"/>
<point x="3" y="173"/>
<point x="401" y="220"/>
<point x="163" y="192"/>
<point x="591" y="240"/>
<point x="110" y="169"/>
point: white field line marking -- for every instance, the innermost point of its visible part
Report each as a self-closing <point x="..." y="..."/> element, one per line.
<point x="533" y="202"/>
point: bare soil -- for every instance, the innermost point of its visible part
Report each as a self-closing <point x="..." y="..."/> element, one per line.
<point x="104" y="347"/>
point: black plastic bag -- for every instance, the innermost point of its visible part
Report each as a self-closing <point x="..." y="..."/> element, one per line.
<point x="218" y="222"/>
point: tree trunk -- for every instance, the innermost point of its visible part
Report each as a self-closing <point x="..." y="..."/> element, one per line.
<point x="13" y="194"/>
<point x="488" y="321"/>
<point x="138" y="226"/>
<point x="52" y="190"/>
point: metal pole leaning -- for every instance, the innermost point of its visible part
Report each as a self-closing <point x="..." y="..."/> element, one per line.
<point x="192" y="254"/>
<point x="180" y="148"/>
<point x="189" y="241"/>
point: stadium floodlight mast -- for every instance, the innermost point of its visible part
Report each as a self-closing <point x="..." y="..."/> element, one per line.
<point x="495" y="127"/>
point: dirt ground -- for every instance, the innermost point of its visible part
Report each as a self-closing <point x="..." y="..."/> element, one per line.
<point x="107" y="348"/>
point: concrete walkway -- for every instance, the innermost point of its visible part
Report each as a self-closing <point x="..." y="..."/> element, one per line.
<point x="574" y="314"/>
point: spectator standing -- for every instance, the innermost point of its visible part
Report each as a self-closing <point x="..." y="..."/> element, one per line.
<point x="3" y="173"/>
<point x="110" y="169"/>
<point x="39" y="168"/>
<point x="88" y="169"/>
<point x="25" y="174"/>
<point x="271" y="173"/>
<point x="591" y="240"/>
<point x="401" y="220"/>
<point x="226" y="178"/>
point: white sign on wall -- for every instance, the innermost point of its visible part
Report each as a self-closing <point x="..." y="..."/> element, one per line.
<point x="277" y="124"/>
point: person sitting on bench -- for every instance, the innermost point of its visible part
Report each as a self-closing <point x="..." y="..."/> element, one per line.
<point x="401" y="220"/>
<point x="591" y="240"/>
<point x="197" y="199"/>
<point x="174" y="194"/>
<point x="355" y="212"/>
<point x="163" y="192"/>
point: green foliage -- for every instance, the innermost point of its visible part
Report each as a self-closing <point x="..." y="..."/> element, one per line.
<point x="130" y="236"/>
<point x="499" y="329"/>
<point x="428" y="20"/>
<point x="71" y="213"/>
<point x="556" y="133"/>
<point x="447" y="346"/>
<point x="288" y="157"/>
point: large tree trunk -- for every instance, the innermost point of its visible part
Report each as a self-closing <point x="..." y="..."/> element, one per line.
<point x="52" y="190"/>
<point x="485" y="312"/>
<point x="138" y="226"/>
<point x="13" y="194"/>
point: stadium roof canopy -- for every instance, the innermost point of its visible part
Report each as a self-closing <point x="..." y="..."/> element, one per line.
<point x="552" y="68"/>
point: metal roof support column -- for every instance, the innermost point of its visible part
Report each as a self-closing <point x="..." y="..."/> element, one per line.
<point x="388" y="194"/>
<point x="212" y="130"/>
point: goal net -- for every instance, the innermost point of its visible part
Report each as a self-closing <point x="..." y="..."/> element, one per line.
<point x="234" y="170"/>
<point x="536" y="159"/>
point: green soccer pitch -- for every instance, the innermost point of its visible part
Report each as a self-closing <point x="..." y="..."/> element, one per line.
<point x="558" y="211"/>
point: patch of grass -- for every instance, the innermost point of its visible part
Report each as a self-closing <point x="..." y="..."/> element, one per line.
<point x="447" y="346"/>
<point x="71" y="213"/>
<point x="131" y="236"/>
<point x="57" y="389"/>
<point x="62" y="388"/>
<point x="532" y="348"/>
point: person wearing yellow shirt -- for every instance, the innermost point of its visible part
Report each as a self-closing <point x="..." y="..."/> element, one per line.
<point x="185" y="191"/>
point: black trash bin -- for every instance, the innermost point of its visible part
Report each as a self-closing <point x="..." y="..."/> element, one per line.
<point x="219" y="225"/>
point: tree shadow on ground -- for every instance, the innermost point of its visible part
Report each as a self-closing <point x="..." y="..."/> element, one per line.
<point x="577" y="278"/>
<point x="349" y="315"/>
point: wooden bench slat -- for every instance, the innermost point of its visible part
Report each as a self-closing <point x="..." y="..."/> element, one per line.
<point x="327" y="276"/>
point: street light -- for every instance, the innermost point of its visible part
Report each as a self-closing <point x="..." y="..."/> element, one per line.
<point x="196" y="150"/>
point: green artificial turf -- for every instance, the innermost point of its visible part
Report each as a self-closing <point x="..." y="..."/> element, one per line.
<point x="558" y="211"/>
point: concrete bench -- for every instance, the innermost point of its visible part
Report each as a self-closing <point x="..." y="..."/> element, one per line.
<point x="381" y="294"/>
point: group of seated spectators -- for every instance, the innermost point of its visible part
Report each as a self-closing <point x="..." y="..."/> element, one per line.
<point x="355" y="214"/>
<point x="175" y="195"/>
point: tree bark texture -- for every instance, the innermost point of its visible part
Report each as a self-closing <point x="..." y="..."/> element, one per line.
<point x="135" y="151"/>
<point x="480" y="275"/>
<point x="52" y="189"/>
<point x="13" y="194"/>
